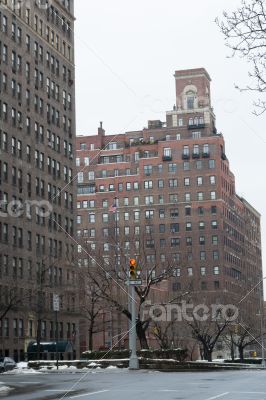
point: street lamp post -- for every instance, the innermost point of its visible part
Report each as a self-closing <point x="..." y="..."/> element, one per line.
<point x="263" y="363"/>
<point x="133" y="361"/>
<point x="56" y="307"/>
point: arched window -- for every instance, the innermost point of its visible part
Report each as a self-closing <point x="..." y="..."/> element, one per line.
<point x="190" y="102"/>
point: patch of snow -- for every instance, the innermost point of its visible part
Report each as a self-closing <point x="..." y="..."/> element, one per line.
<point x="4" y="389"/>
<point x="111" y="367"/>
<point x="22" y="365"/>
<point x="17" y="371"/>
<point x="93" y="364"/>
<point x="60" y="368"/>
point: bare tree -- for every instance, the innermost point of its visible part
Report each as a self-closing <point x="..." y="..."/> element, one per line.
<point x="208" y="323"/>
<point x="243" y="332"/>
<point x="245" y="34"/>
<point x="92" y="307"/>
<point x="10" y="300"/>
<point x="109" y="278"/>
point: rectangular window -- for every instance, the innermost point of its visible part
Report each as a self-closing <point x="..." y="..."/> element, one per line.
<point x="215" y="240"/>
<point x="199" y="180"/>
<point x="172" y="168"/>
<point x="199" y="164"/>
<point x="161" y="228"/>
<point x="211" y="164"/>
<point x="148" y="200"/>
<point x="200" y="196"/>
<point x="147" y="170"/>
<point x="160" y="183"/>
<point x="161" y="213"/>
<point x="212" y="179"/>
<point x="175" y="242"/>
<point x="216" y="270"/>
<point x="172" y="183"/>
<point x="148" y="184"/>
<point x="174" y="228"/>
<point x="213" y="195"/>
<point x="214" y="224"/>
<point x="188" y="210"/>
<point x="174" y="213"/>
<point x="186" y="166"/>
<point x="186" y="181"/>
<point x="173" y="198"/>
<point x="202" y="240"/>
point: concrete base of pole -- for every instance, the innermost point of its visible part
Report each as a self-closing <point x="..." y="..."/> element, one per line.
<point x="133" y="363"/>
<point x="263" y="363"/>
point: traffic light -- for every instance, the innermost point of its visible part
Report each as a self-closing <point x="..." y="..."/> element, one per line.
<point x="133" y="268"/>
<point x="236" y="329"/>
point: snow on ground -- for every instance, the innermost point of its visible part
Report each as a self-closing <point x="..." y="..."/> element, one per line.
<point x="22" y="365"/>
<point x="4" y="389"/>
<point x="60" y="368"/>
<point x="18" y="371"/>
<point x="22" y="368"/>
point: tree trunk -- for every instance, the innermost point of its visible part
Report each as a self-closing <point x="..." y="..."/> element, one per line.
<point x="38" y="340"/>
<point x="91" y="338"/>
<point x="241" y="353"/>
<point x="141" y="333"/>
<point x="232" y="352"/>
<point x="207" y="354"/>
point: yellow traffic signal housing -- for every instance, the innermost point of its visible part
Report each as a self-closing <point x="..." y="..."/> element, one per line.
<point x="133" y="268"/>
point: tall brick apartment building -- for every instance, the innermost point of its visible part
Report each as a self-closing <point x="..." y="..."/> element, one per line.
<point x="175" y="197"/>
<point x="37" y="151"/>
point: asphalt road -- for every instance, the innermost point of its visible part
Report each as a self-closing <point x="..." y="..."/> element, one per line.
<point x="140" y="385"/>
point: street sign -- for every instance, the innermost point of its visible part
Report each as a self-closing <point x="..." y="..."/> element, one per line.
<point x="56" y="302"/>
<point x="136" y="282"/>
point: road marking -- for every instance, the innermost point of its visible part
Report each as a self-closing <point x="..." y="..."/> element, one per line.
<point x="218" y="397"/>
<point x="250" y="392"/>
<point x="169" y="390"/>
<point x="89" y="394"/>
<point x="59" y="390"/>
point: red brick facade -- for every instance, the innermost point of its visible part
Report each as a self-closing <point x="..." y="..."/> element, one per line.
<point x="176" y="198"/>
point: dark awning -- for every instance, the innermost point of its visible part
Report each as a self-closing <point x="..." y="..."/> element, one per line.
<point x="63" y="346"/>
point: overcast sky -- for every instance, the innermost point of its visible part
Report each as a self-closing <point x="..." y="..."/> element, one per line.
<point x="126" y="55"/>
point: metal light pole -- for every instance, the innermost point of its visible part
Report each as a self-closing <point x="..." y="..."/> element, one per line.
<point x="130" y="325"/>
<point x="56" y="307"/>
<point x="263" y="363"/>
<point x="56" y="338"/>
<point x="133" y="361"/>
